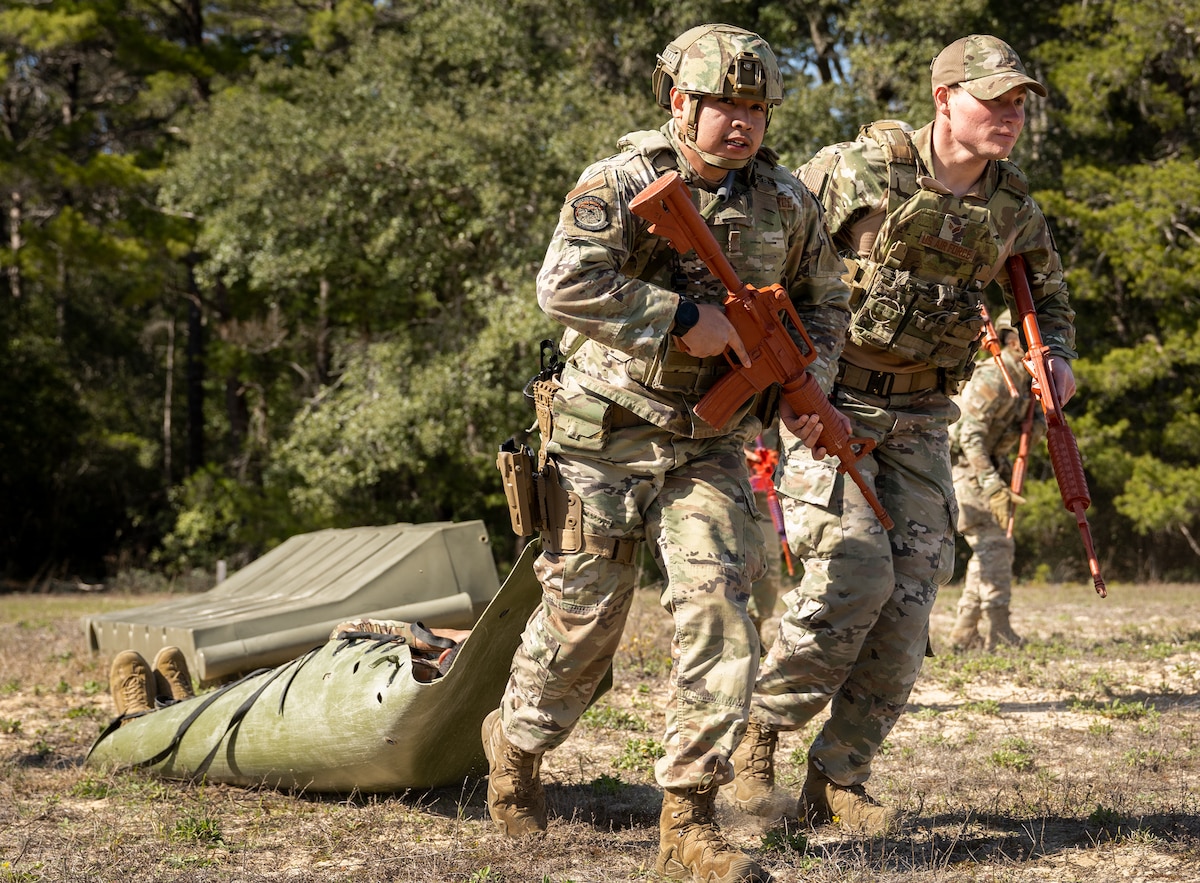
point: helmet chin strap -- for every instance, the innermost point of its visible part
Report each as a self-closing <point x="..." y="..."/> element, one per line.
<point x="689" y="139"/>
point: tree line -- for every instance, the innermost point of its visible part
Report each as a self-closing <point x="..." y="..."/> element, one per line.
<point x="267" y="265"/>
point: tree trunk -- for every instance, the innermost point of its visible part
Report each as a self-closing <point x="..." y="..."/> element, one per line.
<point x="195" y="378"/>
<point x="322" y="334"/>
<point x="168" y="401"/>
<point x="14" y="242"/>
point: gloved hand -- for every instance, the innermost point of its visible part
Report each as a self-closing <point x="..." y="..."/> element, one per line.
<point x="1002" y="502"/>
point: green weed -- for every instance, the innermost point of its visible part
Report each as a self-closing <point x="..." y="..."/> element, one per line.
<point x="1014" y="754"/>
<point x="606" y="785"/>
<point x="639" y="754"/>
<point x="205" y="831"/>
<point x="609" y="718"/>
<point x="983" y="706"/>
<point x="784" y="840"/>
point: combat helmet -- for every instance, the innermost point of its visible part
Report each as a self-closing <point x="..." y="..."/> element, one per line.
<point x="717" y="59"/>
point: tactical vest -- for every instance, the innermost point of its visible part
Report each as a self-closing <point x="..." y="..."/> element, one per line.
<point x="758" y="240"/>
<point x="918" y="294"/>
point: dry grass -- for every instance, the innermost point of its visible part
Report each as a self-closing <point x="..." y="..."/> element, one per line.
<point x="1074" y="759"/>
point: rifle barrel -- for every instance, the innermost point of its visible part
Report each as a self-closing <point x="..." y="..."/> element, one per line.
<point x="1064" y="450"/>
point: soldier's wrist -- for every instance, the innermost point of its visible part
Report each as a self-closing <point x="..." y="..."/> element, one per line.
<point x="990" y="488"/>
<point x="687" y="314"/>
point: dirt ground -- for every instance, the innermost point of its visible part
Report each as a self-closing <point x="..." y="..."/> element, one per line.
<point x="1074" y="758"/>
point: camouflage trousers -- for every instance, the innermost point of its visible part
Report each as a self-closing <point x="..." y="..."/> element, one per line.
<point x="691" y="500"/>
<point x="764" y="594"/>
<point x="855" y="631"/>
<point x="989" y="572"/>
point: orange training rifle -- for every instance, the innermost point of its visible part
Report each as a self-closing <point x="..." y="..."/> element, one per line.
<point x="762" y="478"/>
<point x="1064" y="450"/>
<point x="1022" y="465"/>
<point x="754" y="314"/>
<point x="991" y="343"/>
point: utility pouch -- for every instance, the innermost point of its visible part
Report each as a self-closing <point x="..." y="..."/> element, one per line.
<point x="515" y="462"/>
<point x="582" y="420"/>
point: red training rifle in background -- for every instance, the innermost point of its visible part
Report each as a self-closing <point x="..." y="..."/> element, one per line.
<point x="754" y="314"/>
<point x="991" y="343"/>
<point x="1064" y="450"/>
<point x="1022" y="465"/>
<point x="762" y="478"/>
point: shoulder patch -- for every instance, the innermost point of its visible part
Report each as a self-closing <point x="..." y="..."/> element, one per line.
<point x="591" y="213"/>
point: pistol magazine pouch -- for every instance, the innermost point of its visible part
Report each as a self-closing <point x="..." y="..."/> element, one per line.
<point x="515" y="462"/>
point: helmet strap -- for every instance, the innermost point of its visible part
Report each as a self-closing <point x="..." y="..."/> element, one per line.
<point x="689" y="138"/>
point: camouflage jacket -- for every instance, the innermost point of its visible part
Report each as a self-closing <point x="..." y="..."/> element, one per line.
<point x="990" y="425"/>
<point x="853" y="179"/>
<point x="615" y="285"/>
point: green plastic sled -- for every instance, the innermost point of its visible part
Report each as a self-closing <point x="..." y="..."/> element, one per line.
<point x="346" y="716"/>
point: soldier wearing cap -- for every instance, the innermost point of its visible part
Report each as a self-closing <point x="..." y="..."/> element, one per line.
<point x="980" y="444"/>
<point x="925" y="220"/>
<point x="646" y="336"/>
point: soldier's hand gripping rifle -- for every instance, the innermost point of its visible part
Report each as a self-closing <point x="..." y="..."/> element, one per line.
<point x="1064" y="450"/>
<point x="754" y="314"/>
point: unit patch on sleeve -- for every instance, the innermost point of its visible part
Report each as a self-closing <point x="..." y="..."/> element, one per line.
<point x="590" y="213"/>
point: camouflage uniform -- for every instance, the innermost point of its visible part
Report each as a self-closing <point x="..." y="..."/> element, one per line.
<point x="980" y="442"/>
<point x="627" y="441"/>
<point x="855" y="631"/>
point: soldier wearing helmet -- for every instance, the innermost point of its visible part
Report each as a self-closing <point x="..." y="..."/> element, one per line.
<point x="981" y="442"/>
<point x="645" y="337"/>
<point x="925" y="220"/>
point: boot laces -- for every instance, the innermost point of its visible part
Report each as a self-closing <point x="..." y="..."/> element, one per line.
<point x="133" y="690"/>
<point x="522" y="769"/>
<point x="762" y="751"/>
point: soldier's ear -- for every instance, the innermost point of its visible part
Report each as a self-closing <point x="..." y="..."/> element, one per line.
<point x="941" y="99"/>
<point x="679" y="102"/>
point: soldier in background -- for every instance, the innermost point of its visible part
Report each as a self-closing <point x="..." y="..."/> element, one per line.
<point x="980" y="444"/>
<point x="925" y="221"/>
<point x="630" y="460"/>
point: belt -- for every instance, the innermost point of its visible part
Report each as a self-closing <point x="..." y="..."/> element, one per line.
<point x="885" y="383"/>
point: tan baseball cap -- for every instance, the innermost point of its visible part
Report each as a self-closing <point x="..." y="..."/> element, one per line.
<point x="985" y="66"/>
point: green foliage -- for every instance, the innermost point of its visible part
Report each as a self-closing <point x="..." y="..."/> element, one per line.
<point x="1117" y="709"/>
<point x="1104" y="817"/>
<point x="784" y="840"/>
<point x="1014" y="754"/>
<point x="202" y="829"/>
<point x="606" y="786"/>
<point x="639" y="754"/>
<point x="340" y="208"/>
<point x="610" y="718"/>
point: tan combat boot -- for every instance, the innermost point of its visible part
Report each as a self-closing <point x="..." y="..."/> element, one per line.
<point x="754" y="770"/>
<point x="965" y="635"/>
<point x="172" y="680"/>
<point x="824" y="800"/>
<point x="129" y="679"/>
<point x="997" y="631"/>
<point x="516" y="800"/>
<point x="691" y="847"/>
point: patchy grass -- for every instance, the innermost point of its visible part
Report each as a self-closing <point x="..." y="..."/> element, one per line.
<point x="1075" y="759"/>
